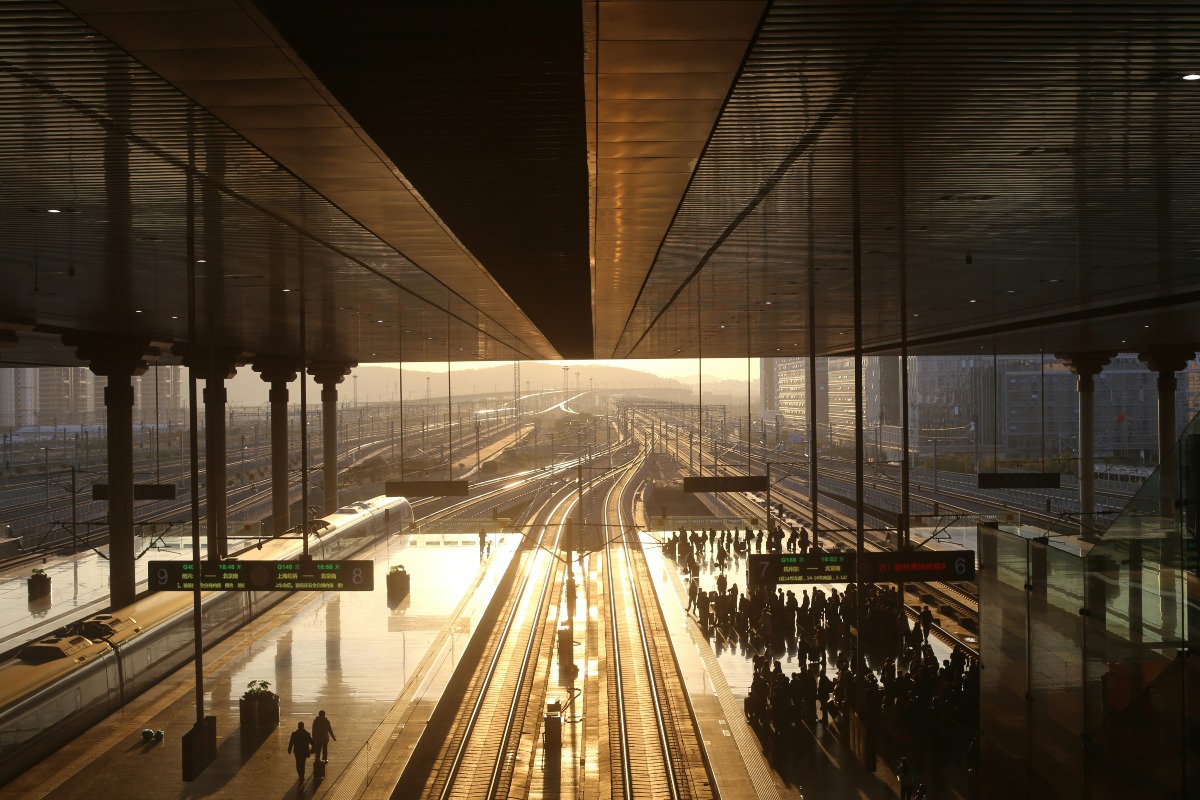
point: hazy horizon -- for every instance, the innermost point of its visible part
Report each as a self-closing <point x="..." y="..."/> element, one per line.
<point x="677" y="368"/>
<point x="247" y="387"/>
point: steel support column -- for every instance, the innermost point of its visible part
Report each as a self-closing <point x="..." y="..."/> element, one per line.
<point x="1166" y="362"/>
<point x="216" y="366"/>
<point x="118" y="360"/>
<point x="1086" y="367"/>
<point x="329" y="375"/>
<point x="279" y="375"/>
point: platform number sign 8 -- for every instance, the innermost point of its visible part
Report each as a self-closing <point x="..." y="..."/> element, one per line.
<point x="356" y="576"/>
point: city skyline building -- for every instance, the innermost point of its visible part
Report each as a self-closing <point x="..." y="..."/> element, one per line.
<point x="1008" y="410"/>
<point x="50" y="397"/>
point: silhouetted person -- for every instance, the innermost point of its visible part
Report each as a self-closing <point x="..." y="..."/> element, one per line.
<point x="299" y="745"/>
<point x="322" y="732"/>
<point x="907" y="775"/>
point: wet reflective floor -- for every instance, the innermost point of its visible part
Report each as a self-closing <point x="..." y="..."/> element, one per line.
<point x="368" y="664"/>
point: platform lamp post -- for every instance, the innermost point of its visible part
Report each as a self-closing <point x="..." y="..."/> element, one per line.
<point x="935" y="482"/>
<point x="476" y="447"/>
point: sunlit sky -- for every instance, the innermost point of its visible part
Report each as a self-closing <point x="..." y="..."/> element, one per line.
<point x="680" y="368"/>
<point x="726" y="368"/>
<point x="247" y="387"/>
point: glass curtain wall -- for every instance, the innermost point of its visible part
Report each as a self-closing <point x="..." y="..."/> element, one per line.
<point x="1088" y="690"/>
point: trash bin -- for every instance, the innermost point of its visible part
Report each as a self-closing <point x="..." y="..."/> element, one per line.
<point x="553" y="729"/>
<point x="566" y="646"/>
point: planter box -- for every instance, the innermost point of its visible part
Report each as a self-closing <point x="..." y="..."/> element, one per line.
<point x="39" y="586"/>
<point x="258" y="715"/>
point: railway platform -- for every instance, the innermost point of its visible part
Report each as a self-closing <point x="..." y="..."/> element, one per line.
<point x="718" y="674"/>
<point x="377" y="671"/>
<point x="374" y="669"/>
<point x="80" y="580"/>
<point x="79" y="587"/>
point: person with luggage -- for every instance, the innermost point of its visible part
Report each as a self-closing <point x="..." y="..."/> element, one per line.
<point x="299" y="745"/>
<point x="322" y="732"/>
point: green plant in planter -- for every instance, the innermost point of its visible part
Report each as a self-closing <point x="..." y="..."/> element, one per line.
<point x="395" y="569"/>
<point x="258" y="710"/>
<point x="39" y="584"/>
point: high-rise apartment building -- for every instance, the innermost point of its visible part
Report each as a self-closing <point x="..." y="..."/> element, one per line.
<point x="66" y="396"/>
<point x="55" y="396"/>
<point x="18" y="398"/>
<point x="1011" y="410"/>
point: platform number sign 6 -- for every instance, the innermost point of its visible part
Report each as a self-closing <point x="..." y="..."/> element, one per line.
<point x="960" y="566"/>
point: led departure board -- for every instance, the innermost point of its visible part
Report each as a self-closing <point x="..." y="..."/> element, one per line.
<point x="264" y="576"/>
<point x="783" y="568"/>
<point x="919" y="565"/>
<point x="777" y="569"/>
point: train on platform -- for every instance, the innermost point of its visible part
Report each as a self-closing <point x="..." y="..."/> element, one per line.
<point x="56" y="688"/>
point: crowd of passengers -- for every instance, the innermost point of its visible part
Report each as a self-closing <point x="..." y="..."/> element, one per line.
<point x="900" y="690"/>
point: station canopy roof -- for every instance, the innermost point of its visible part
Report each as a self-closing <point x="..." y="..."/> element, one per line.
<point x="369" y="181"/>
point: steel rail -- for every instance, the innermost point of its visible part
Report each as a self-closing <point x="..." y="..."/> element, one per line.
<point x="486" y="683"/>
<point x="673" y="781"/>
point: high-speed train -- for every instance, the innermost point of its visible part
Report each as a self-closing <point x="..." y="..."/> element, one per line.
<point x="58" y="687"/>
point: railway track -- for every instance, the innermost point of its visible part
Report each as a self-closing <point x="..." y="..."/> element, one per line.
<point x="486" y="727"/>
<point x="655" y="746"/>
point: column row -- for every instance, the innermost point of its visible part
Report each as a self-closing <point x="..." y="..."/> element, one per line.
<point x="119" y="359"/>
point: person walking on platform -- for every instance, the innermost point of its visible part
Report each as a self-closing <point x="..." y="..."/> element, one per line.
<point x="322" y="732"/>
<point x="926" y="618"/>
<point x="299" y="745"/>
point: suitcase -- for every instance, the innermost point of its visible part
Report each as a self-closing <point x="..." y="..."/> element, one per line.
<point x="318" y="770"/>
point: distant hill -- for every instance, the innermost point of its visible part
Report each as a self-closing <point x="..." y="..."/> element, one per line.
<point x="379" y="383"/>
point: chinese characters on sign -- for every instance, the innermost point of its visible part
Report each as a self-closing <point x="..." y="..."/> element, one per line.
<point x="264" y="576"/>
<point x="776" y="569"/>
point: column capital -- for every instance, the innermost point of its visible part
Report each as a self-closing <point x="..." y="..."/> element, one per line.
<point x="1086" y="363"/>
<point x="212" y="362"/>
<point x="330" y="373"/>
<point x="113" y="356"/>
<point x="1167" y="359"/>
<point x="275" y="370"/>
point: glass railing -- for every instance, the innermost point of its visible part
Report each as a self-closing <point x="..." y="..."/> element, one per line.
<point x="1087" y="688"/>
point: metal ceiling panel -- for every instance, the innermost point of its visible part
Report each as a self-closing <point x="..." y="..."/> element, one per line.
<point x="1026" y="167"/>
<point x="228" y="58"/>
<point x="95" y="213"/>
<point x="658" y="73"/>
<point x="1006" y="176"/>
